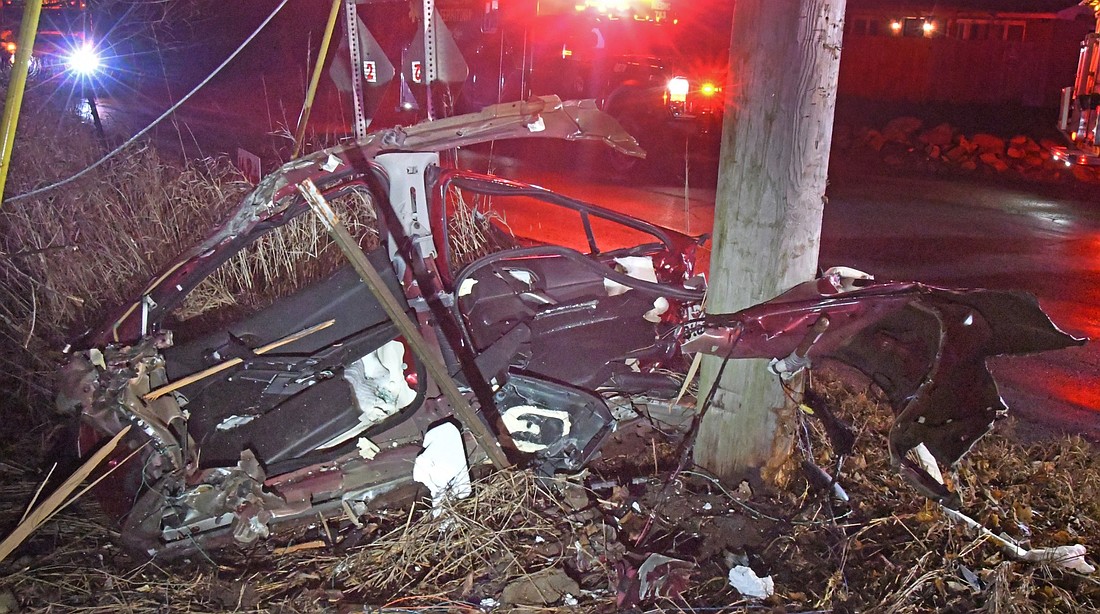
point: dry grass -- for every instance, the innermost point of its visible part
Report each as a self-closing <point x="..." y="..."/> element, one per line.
<point x="894" y="551"/>
<point x="470" y="230"/>
<point x="487" y="536"/>
<point x="887" y="551"/>
<point x="413" y="558"/>
<point x="68" y="256"/>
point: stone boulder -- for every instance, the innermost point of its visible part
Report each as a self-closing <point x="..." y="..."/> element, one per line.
<point x="988" y="143"/>
<point x="901" y="129"/>
<point x="939" y="136"/>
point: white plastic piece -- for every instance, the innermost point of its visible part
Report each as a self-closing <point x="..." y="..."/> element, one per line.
<point x="638" y="267"/>
<point x="660" y="306"/>
<point x="367" y="448"/>
<point x="843" y="277"/>
<point x="331" y="163"/>
<point x="442" y="465"/>
<point x="745" y="580"/>
<point x="1070" y="557"/>
<point x="466" y="287"/>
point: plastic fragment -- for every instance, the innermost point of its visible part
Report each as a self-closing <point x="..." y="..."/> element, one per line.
<point x="442" y="465"/>
<point x="745" y="580"/>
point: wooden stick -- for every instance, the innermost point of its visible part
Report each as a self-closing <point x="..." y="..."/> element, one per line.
<point x="222" y="366"/>
<point x="43" y="512"/>
<point x="433" y="364"/>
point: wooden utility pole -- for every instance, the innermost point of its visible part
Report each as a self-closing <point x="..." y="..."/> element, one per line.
<point x="781" y="94"/>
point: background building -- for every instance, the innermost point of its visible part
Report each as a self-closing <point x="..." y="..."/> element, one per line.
<point x="967" y="51"/>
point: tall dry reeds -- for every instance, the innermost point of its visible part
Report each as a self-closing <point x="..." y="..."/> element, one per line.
<point x="70" y="254"/>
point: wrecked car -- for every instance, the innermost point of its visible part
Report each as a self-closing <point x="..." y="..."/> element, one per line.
<point x="319" y="405"/>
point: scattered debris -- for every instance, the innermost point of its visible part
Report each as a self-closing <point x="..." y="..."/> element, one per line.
<point x="545" y="587"/>
<point x="745" y="580"/>
<point x="661" y="576"/>
<point x="895" y="552"/>
<point x="901" y="143"/>
<point x="442" y="465"/>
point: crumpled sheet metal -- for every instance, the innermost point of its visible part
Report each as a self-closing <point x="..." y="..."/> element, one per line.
<point x="925" y="347"/>
<point x="275" y="201"/>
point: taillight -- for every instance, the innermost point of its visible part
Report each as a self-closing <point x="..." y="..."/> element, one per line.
<point x="708" y="89"/>
<point x="9" y="47"/>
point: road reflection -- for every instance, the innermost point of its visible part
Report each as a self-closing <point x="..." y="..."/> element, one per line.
<point x="945" y="233"/>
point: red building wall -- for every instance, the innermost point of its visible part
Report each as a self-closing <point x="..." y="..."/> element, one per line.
<point x="948" y="68"/>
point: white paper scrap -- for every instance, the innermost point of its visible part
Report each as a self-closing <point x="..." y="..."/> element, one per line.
<point x="442" y="465"/>
<point x="745" y="580"/>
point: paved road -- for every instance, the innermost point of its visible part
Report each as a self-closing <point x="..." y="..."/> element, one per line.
<point x="952" y="233"/>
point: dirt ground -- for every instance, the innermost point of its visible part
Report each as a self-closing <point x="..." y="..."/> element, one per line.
<point x="628" y="534"/>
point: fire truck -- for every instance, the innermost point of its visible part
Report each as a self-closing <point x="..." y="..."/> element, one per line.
<point x="62" y="45"/>
<point x="657" y="70"/>
<point x="1079" y="117"/>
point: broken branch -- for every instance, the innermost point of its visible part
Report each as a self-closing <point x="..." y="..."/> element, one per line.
<point x="57" y="499"/>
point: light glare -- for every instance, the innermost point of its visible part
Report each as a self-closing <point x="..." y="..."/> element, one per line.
<point x="84" y="60"/>
<point x="678" y="89"/>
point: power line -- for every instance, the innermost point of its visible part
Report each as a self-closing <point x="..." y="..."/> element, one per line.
<point x="163" y="116"/>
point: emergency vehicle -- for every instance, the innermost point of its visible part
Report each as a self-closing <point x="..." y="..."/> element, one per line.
<point x="659" y="74"/>
<point x="1079" y="117"/>
<point x="657" y="69"/>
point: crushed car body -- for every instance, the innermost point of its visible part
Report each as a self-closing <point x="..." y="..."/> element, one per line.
<point x="315" y="405"/>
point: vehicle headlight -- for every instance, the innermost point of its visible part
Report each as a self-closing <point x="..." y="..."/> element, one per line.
<point x="84" y="60"/>
<point x="678" y="89"/>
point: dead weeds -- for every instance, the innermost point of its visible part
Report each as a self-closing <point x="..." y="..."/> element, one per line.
<point x="886" y="550"/>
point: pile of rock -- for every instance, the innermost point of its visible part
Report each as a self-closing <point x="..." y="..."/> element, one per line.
<point x="905" y="142"/>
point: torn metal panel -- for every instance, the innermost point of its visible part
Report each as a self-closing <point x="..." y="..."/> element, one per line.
<point x="926" y="348"/>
